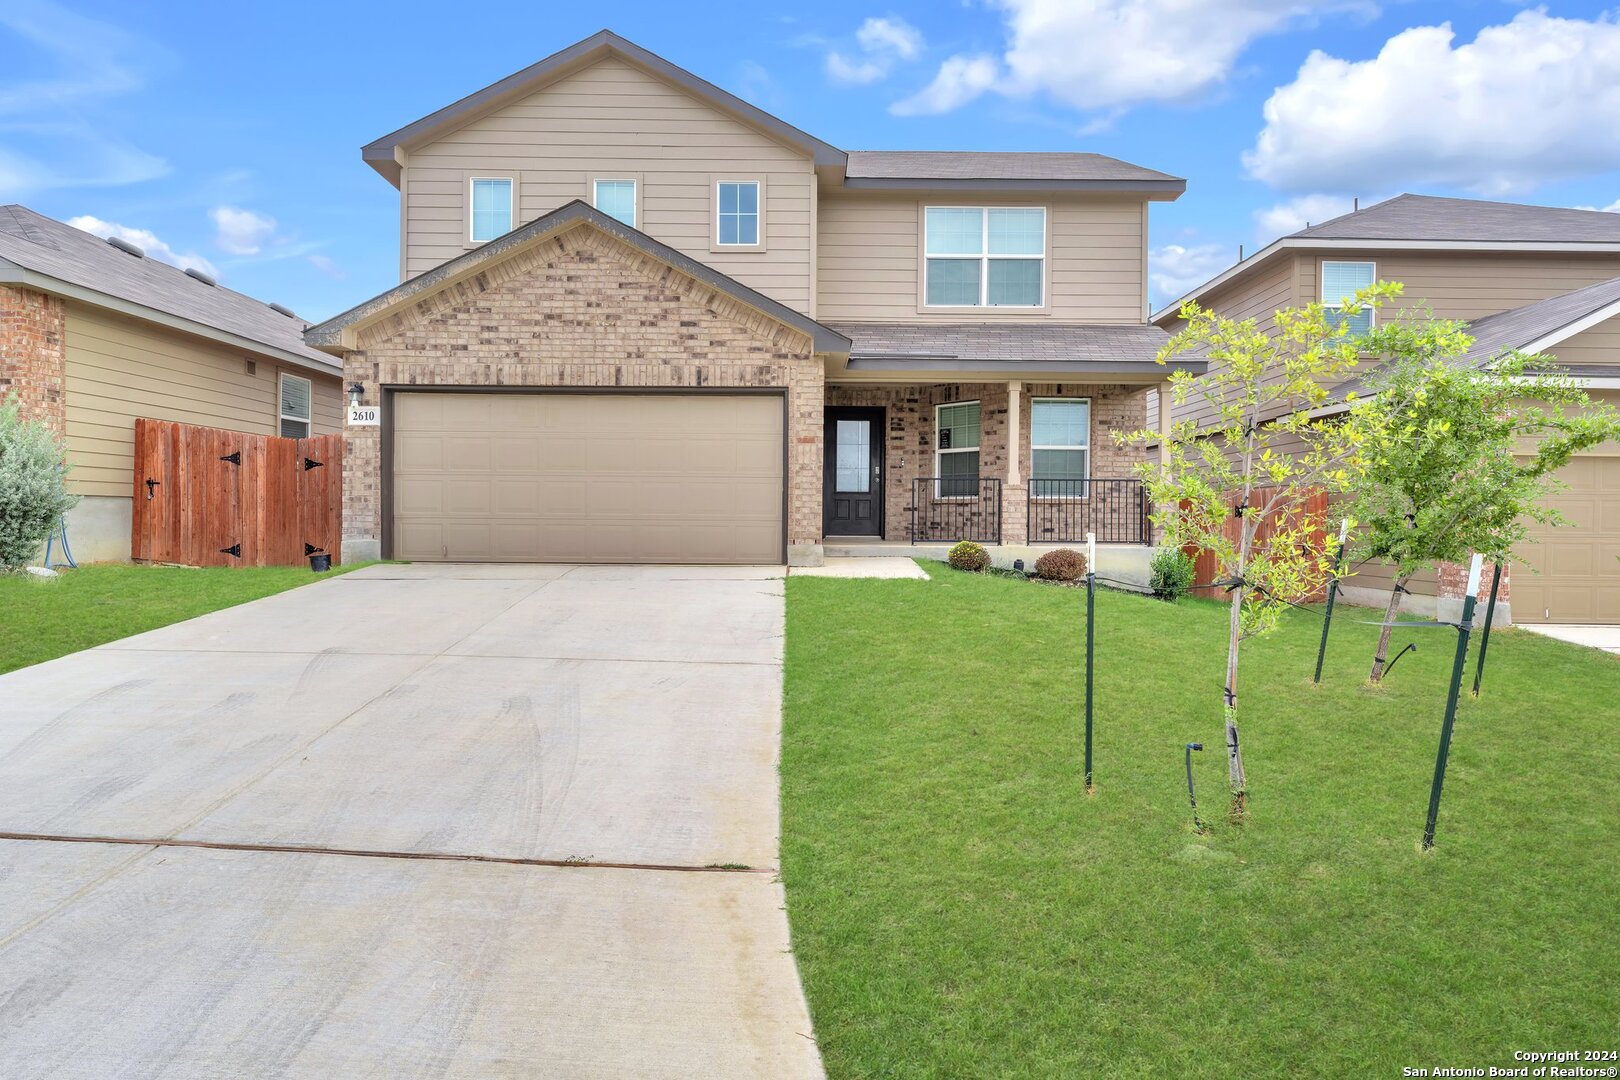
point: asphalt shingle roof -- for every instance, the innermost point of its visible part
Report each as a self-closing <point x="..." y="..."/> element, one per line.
<point x="992" y="165"/>
<point x="998" y="343"/>
<point x="57" y="250"/>
<point x="1429" y="217"/>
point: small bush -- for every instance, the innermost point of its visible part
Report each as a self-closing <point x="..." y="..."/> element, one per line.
<point x="969" y="556"/>
<point x="32" y="493"/>
<point x="1172" y="574"/>
<point x="1063" y="564"/>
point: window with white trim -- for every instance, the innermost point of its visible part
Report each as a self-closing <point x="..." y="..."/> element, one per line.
<point x="956" y="453"/>
<point x="616" y="199"/>
<point x="490" y="202"/>
<point x="736" y="213"/>
<point x="984" y="256"/>
<point x="1059" y="447"/>
<point x="1340" y="283"/>
<point x="293" y="406"/>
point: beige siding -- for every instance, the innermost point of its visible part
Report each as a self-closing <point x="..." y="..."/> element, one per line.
<point x="119" y="369"/>
<point x="613" y="120"/>
<point x="1599" y="345"/>
<point x="870" y="256"/>
<point x="1468" y="285"/>
<point x="1257" y="297"/>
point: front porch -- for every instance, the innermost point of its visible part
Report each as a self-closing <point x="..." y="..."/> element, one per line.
<point x="1011" y="465"/>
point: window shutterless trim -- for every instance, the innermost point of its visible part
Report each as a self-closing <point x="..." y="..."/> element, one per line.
<point x="1337" y="303"/>
<point x="714" y="217"/>
<point x="635" y="196"/>
<point x="1085" y="486"/>
<point x="282" y="415"/>
<point x="511" y="208"/>
<point x="939" y="478"/>
<point x="984" y="258"/>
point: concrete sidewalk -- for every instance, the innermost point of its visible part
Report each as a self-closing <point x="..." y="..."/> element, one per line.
<point x="561" y="715"/>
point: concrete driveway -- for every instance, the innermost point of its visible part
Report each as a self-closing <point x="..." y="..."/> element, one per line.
<point x="473" y="821"/>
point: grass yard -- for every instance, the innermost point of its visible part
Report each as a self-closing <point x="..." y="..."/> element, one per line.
<point x="961" y="908"/>
<point x="41" y="619"/>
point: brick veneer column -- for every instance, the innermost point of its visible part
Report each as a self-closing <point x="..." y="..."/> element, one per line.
<point x="33" y="353"/>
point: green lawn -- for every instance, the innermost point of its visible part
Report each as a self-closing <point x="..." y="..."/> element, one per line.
<point x="961" y="908"/>
<point x="44" y="619"/>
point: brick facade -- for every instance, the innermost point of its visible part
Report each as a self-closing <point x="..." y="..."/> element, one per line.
<point x="909" y="416"/>
<point x="1453" y="582"/>
<point x="33" y="353"/>
<point x="582" y="309"/>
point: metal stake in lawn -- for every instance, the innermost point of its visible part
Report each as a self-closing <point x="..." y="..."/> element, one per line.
<point x="1485" y="634"/>
<point x="1091" y="619"/>
<point x="1333" y="594"/>
<point x="1191" y="797"/>
<point x="1463" y="628"/>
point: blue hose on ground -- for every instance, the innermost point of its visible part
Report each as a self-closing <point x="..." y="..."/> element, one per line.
<point x="67" y="552"/>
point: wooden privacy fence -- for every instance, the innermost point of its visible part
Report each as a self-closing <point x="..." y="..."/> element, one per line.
<point x="1314" y="509"/>
<point x="210" y="497"/>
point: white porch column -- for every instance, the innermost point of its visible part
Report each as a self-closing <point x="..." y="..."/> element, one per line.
<point x="1014" y="414"/>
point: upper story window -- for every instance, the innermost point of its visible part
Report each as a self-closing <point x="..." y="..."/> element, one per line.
<point x="1060" y="446"/>
<point x="956" y="458"/>
<point x="293" y="407"/>
<point x="737" y="213"/>
<point x="978" y="256"/>
<point x="616" y="199"/>
<point x="491" y="208"/>
<point x="1340" y="283"/>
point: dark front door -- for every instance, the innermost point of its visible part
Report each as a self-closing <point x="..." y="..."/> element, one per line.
<point x="852" y="495"/>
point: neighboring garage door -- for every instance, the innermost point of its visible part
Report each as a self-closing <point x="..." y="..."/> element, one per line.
<point x="563" y="477"/>
<point x="1579" y="563"/>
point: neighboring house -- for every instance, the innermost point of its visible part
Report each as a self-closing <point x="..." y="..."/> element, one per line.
<point x="94" y="334"/>
<point x="1532" y="278"/>
<point x="643" y="320"/>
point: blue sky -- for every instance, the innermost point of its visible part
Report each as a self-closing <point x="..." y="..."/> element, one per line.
<point x="229" y="135"/>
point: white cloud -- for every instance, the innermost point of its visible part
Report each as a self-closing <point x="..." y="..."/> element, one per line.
<point x="326" y="266"/>
<point x="1612" y="208"/>
<point x="883" y="42"/>
<point x="241" y="232"/>
<point x="1531" y="101"/>
<point x="147" y="241"/>
<point x="1295" y="214"/>
<point x="1174" y="269"/>
<point x="1104" y="54"/>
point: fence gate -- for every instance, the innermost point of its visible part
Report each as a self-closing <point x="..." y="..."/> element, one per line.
<point x="210" y="497"/>
<point x="1313" y="510"/>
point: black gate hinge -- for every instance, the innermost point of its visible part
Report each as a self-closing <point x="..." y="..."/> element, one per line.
<point x="234" y="457"/>
<point x="311" y="463"/>
<point x="235" y="550"/>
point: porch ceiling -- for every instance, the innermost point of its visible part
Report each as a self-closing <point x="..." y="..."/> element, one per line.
<point x="913" y="351"/>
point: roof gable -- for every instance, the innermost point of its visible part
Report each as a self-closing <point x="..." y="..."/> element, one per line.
<point x="382" y="154"/>
<point x="338" y="333"/>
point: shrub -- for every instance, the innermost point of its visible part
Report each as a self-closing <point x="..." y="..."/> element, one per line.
<point x="969" y="556"/>
<point x="32" y="492"/>
<point x="1062" y="564"/>
<point x="1172" y="573"/>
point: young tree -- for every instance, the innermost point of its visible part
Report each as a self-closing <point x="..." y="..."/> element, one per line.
<point x="1459" y="456"/>
<point x="1261" y="453"/>
<point x="32" y="495"/>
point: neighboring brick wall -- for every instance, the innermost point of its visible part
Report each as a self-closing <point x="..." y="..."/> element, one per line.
<point x="1454" y="582"/>
<point x="33" y="353"/>
<point x="583" y="309"/>
<point x="909" y="445"/>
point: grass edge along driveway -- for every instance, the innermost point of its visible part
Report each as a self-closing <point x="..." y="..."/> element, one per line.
<point x="960" y="908"/>
<point x="43" y="618"/>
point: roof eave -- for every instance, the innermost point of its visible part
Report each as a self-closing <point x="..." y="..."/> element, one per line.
<point x="1153" y="370"/>
<point x="380" y="153"/>
<point x="1156" y="190"/>
<point x="13" y="274"/>
<point x="336" y="335"/>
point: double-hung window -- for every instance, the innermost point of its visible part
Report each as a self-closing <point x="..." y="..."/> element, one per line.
<point x="1340" y="283"/>
<point x="979" y="256"/>
<point x="293" y="407"/>
<point x="491" y="203"/>
<point x="616" y="199"/>
<point x="1060" y="447"/>
<point x="956" y="455"/>
<point x="737" y="213"/>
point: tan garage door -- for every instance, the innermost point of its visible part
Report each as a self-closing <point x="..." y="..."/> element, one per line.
<point x="518" y="477"/>
<point x="1579" y="563"/>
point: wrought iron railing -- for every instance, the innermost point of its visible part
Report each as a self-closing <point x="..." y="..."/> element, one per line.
<point x="1064" y="511"/>
<point x="952" y="508"/>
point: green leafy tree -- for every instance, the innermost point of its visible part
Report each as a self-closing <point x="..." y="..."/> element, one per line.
<point x="1459" y="457"/>
<point x="32" y="491"/>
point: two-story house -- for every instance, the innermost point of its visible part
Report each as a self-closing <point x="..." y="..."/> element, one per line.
<point x="641" y="319"/>
<point x="1532" y="278"/>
